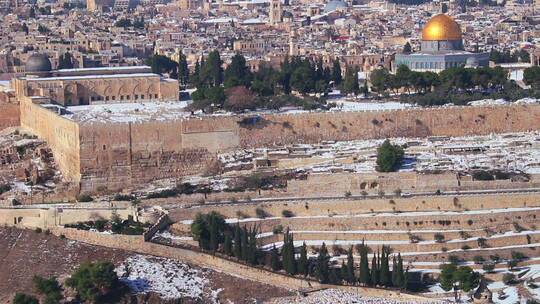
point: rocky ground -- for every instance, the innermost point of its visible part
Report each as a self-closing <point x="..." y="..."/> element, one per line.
<point x="25" y="253"/>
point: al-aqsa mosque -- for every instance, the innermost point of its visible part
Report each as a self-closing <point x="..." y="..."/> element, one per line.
<point x="441" y="48"/>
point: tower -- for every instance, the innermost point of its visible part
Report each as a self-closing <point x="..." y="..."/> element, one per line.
<point x="275" y="11"/>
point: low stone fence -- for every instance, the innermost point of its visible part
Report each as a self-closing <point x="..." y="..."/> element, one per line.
<point x="137" y="244"/>
<point x="358" y="205"/>
<point x="161" y="223"/>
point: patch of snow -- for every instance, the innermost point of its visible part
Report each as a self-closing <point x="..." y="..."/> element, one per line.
<point x="169" y="278"/>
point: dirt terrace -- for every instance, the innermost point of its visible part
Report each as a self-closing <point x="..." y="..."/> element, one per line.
<point x="25" y="253"/>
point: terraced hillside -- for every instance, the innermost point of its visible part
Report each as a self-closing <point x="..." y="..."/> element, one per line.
<point x="425" y="230"/>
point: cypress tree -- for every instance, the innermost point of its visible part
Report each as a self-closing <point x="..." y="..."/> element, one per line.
<point x="406" y="279"/>
<point x="322" y="270"/>
<point x="364" y="268"/>
<point x="374" y="271"/>
<point x="289" y="262"/>
<point x="350" y="267"/>
<point x="344" y="272"/>
<point x="227" y="245"/>
<point x="333" y="276"/>
<point x="336" y="72"/>
<point x="302" y="262"/>
<point x="285" y="251"/>
<point x="395" y="272"/>
<point x="237" y="242"/>
<point x="245" y="248"/>
<point x="275" y="259"/>
<point x="252" y="243"/>
<point x="385" y="279"/>
<point x="400" y="277"/>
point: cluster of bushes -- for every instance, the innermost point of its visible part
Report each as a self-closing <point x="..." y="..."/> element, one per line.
<point x="4" y="188"/>
<point x="236" y="88"/>
<point x="438" y="89"/>
<point x="184" y="188"/>
<point x="92" y="282"/>
<point x="116" y="225"/>
<point x="84" y="198"/>
<point x="389" y="157"/>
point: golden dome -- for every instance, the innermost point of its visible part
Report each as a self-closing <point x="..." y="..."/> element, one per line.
<point x="441" y="27"/>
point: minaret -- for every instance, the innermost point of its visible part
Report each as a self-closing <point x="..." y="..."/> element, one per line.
<point x="275" y="11"/>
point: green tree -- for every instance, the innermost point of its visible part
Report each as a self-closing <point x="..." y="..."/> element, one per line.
<point x="93" y="282"/>
<point x="212" y="70"/>
<point x="344" y="271"/>
<point x="384" y="274"/>
<point x="350" y="83"/>
<point x="389" y="157"/>
<point x="336" y="72"/>
<point x="49" y="288"/>
<point x="462" y="278"/>
<point x="208" y="229"/>
<point x="302" y="261"/>
<point x="65" y="61"/>
<point x="183" y="70"/>
<point x="237" y="73"/>
<point x="531" y="76"/>
<point x="350" y="278"/>
<point x="322" y="268"/>
<point x="21" y="298"/>
<point x="161" y="64"/>
<point x="380" y="80"/>
<point x="237" y="242"/>
<point x="374" y="271"/>
<point x="302" y="79"/>
<point x="274" y="257"/>
<point x="407" y="49"/>
<point x="227" y="245"/>
<point x="364" y="267"/>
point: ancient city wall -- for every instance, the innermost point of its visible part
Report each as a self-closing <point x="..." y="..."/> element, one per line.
<point x="120" y="155"/>
<point x="115" y="156"/>
<point x="9" y="115"/>
<point x="51" y="217"/>
<point x="451" y="121"/>
<point x="61" y="134"/>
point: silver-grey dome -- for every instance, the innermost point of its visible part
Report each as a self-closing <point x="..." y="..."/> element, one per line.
<point x="38" y="63"/>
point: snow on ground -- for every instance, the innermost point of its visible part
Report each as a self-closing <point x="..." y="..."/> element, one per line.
<point x="508" y="295"/>
<point x="128" y="112"/>
<point x="336" y="296"/>
<point x="513" y="152"/>
<point x="348" y="106"/>
<point x="168" y="278"/>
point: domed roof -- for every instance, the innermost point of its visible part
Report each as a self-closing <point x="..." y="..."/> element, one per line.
<point x="441" y="27"/>
<point x="38" y="63"/>
<point x="333" y="5"/>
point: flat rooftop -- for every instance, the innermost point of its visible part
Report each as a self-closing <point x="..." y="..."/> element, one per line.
<point x="127" y="112"/>
<point x="82" y="77"/>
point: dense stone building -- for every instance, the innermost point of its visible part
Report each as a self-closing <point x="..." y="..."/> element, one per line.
<point x="93" y="85"/>
<point x="441" y="48"/>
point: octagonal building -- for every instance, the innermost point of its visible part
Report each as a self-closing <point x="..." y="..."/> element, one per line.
<point x="441" y="48"/>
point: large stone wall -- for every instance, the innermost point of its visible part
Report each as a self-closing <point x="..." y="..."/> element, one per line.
<point x="127" y="154"/>
<point x="121" y="155"/>
<point x="9" y="115"/>
<point x="452" y="121"/>
<point x="61" y="134"/>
